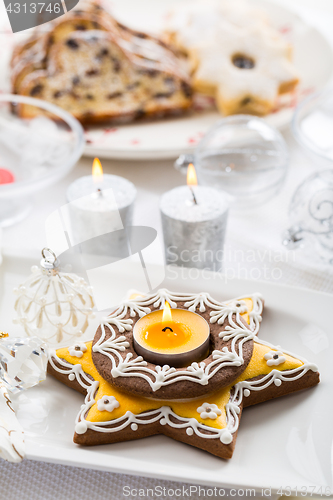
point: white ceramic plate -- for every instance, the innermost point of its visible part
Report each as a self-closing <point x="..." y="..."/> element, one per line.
<point x="170" y="137"/>
<point x="281" y="443"/>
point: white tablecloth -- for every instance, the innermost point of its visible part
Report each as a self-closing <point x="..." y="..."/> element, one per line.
<point x="258" y="231"/>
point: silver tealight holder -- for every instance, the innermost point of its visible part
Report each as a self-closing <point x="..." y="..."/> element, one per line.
<point x="194" y="220"/>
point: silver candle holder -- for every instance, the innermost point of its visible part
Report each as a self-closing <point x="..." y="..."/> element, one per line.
<point x="178" y="359"/>
<point x="194" y="221"/>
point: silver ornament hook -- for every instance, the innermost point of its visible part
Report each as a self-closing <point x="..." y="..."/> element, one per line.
<point x="292" y="238"/>
<point x="50" y="252"/>
<point x="49" y="260"/>
<point x="183" y="162"/>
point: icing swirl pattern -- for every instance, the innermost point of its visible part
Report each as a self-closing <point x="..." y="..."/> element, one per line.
<point x="229" y="332"/>
<point x="188" y="415"/>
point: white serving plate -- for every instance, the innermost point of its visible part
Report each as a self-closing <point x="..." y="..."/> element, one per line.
<point x="281" y="443"/>
<point x="313" y="58"/>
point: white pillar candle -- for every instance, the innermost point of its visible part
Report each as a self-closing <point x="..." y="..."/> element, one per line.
<point x="101" y="210"/>
<point x="194" y="226"/>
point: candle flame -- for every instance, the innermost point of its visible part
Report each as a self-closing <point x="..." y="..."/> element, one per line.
<point x="97" y="171"/>
<point x="191" y="175"/>
<point x="167" y="316"/>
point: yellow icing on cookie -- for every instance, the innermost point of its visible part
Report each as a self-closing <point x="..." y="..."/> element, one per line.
<point x="85" y="361"/>
<point x="258" y="364"/>
<point x="188" y="409"/>
<point x="137" y="404"/>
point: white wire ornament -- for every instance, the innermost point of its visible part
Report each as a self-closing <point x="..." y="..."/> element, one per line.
<point x="53" y="305"/>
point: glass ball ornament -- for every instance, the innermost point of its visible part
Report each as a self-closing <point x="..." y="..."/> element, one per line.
<point x="23" y="362"/>
<point x="53" y="305"/>
<point x="243" y="156"/>
<point x="311" y="216"/>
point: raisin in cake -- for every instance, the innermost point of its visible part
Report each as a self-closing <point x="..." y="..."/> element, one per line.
<point x="97" y="69"/>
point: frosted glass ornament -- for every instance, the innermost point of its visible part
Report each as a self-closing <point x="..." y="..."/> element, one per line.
<point x="53" y="305"/>
<point x="311" y="216"/>
<point x="22" y="362"/>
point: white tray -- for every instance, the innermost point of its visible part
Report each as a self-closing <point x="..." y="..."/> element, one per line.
<point x="285" y="442"/>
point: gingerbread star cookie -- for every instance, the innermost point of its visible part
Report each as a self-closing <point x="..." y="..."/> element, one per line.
<point x="210" y="421"/>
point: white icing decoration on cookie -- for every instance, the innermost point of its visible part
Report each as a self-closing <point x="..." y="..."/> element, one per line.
<point x="71" y="377"/>
<point x="208" y="410"/>
<point x="197" y="372"/>
<point x="199" y="300"/>
<point x="246" y="393"/>
<point x="274" y="358"/>
<point x="274" y="377"/>
<point x="226" y="311"/>
<point x="68" y="369"/>
<point x="77" y="350"/>
<point x="134" y="427"/>
<point x="81" y="427"/>
<point x="107" y="403"/>
<point x="226" y="437"/>
<point x="164" y="413"/>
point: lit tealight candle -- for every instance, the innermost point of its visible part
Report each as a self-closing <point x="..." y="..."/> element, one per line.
<point x="101" y="205"/>
<point x="194" y="220"/>
<point x="174" y="337"/>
